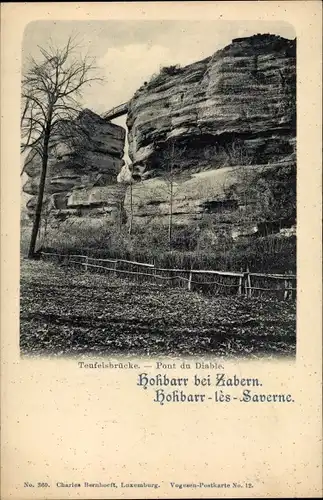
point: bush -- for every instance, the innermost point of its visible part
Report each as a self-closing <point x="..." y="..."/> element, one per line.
<point x="158" y="78"/>
<point x="171" y="70"/>
<point x="198" y="246"/>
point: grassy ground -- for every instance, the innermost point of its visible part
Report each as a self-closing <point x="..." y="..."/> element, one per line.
<point x="65" y="311"/>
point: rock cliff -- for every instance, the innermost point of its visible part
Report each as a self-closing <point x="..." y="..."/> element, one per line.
<point x="214" y="127"/>
<point x="236" y="107"/>
<point x="84" y="160"/>
<point x="238" y="201"/>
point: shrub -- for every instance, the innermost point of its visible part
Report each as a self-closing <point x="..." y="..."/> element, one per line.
<point x="198" y="246"/>
<point x="171" y="70"/>
<point x="165" y="71"/>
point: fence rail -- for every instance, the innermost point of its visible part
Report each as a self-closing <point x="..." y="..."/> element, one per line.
<point x="227" y="282"/>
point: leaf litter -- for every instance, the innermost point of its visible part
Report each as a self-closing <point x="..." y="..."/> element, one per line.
<point x="66" y="311"/>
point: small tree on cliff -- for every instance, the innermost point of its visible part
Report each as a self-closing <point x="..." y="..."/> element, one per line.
<point x="51" y="88"/>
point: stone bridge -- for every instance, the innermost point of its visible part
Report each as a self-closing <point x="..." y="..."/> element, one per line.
<point x="117" y="111"/>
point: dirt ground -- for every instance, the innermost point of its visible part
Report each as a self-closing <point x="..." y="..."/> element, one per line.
<point x="65" y="311"/>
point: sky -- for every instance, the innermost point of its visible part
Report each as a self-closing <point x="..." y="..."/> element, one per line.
<point x="128" y="53"/>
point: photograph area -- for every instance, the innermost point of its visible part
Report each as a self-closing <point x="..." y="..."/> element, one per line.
<point x="158" y="189"/>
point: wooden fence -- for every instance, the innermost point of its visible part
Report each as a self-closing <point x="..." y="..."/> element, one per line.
<point x="209" y="281"/>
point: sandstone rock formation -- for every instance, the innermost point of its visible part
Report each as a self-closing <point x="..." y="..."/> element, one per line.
<point x="240" y="201"/>
<point x="85" y="159"/>
<point x="219" y="123"/>
<point x="235" y="108"/>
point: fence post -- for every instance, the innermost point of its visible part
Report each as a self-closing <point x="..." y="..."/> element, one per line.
<point x="240" y="284"/>
<point x="245" y="283"/>
<point x="290" y="291"/>
<point x="172" y="278"/>
<point x="293" y="285"/>
<point x="249" y="282"/>
<point x="115" y="269"/>
<point x="189" y="284"/>
<point x="86" y="263"/>
<point x="154" y="272"/>
<point x="289" y="287"/>
<point x="286" y="286"/>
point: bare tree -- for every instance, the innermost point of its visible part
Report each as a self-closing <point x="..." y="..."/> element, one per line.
<point x="51" y="89"/>
<point x="172" y="176"/>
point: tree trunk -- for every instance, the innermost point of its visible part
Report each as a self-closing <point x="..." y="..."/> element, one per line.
<point x="39" y="206"/>
<point x="170" y="220"/>
<point x="120" y="215"/>
<point x="131" y="211"/>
